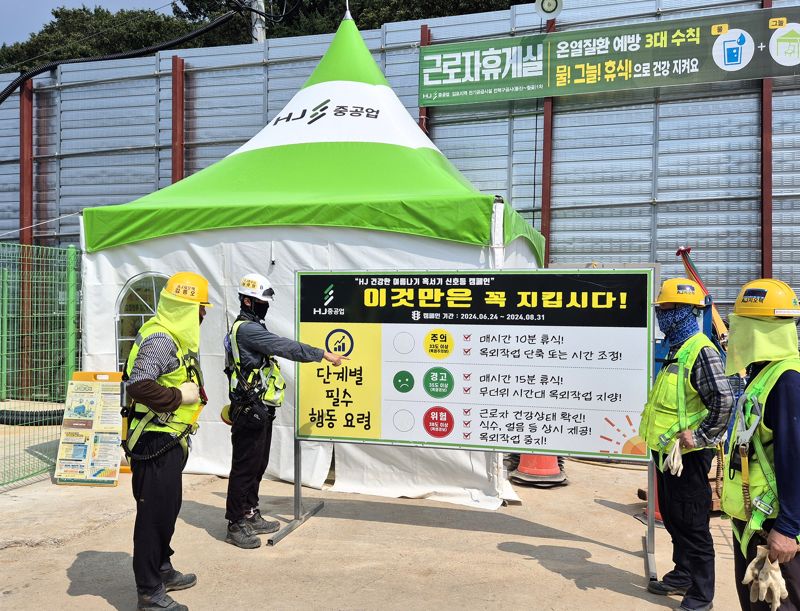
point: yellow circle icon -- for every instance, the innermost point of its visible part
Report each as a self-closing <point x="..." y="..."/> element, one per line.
<point x="439" y="343"/>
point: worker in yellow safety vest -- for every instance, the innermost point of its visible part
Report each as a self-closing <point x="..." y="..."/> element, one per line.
<point x="685" y="418"/>
<point x="761" y="489"/>
<point x="164" y="388"/>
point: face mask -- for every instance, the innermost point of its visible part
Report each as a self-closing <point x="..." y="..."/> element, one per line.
<point x="260" y="309"/>
<point x="678" y="324"/>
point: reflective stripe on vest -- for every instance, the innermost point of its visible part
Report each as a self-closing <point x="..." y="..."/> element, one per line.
<point x="673" y="404"/>
<point x="267" y="379"/>
<point x="763" y="487"/>
<point x="146" y="420"/>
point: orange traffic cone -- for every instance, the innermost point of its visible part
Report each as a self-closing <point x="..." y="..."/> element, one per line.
<point x="539" y="470"/>
<point x="657" y="511"/>
<point x="642" y="517"/>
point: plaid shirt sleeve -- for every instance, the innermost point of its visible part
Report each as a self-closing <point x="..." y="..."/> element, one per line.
<point x="708" y="377"/>
<point x="157" y="356"/>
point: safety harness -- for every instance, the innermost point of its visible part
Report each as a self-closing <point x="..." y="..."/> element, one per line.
<point x="750" y="410"/>
<point x="144" y="418"/>
<point x="681" y="366"/>
<point x="264" y="382"/>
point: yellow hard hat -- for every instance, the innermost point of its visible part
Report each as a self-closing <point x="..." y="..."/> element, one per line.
<point x="189" y="286"/>
<point x="681" y="290"/>
<point x="766" y="298"/>
<point x="225" y="414"/>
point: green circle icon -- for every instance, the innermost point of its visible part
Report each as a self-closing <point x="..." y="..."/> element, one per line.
<point x="403" y="381"/>
<point x="438" y="382"/>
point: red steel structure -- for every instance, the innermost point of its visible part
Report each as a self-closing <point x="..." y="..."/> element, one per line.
<point x="178" y="118"/>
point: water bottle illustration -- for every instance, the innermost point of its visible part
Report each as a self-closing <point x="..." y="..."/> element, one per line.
<point x="733" y="50"/>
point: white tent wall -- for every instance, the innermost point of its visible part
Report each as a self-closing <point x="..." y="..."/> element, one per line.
<point x="223" y="256"/>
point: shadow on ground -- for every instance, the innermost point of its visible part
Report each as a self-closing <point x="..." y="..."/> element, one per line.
<point x="630" y="509"/>
<point x="212" y="519"/>
<point x="574" y="564"/>
<point x="108" y="575"/>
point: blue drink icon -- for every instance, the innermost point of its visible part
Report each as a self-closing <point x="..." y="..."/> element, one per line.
<point x="733" y="50"/>
<point x="733" y="53"/>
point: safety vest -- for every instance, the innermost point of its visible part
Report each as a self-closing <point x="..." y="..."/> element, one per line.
<point x="750" y="490"/>
<point x="267" y="379"/>
<point x="181" y="422"/>
<point x="673" y="404"/>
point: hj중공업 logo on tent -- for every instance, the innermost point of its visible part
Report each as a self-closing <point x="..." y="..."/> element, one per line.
<point x="312" y="115"/>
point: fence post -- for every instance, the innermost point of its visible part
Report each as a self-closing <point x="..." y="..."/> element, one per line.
<point x="3" y="334"/>
<point x="70" y="327"/>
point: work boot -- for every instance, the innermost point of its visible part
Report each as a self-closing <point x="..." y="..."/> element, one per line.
<point x="664" y="589"/>
<point x="260" y="526"/>
<point x="159" y="602"/>
<point x="175" y="580"/>
<point x="241" y="535"/>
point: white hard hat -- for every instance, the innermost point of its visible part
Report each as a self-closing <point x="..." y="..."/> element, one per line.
<point x="256" y="286"/>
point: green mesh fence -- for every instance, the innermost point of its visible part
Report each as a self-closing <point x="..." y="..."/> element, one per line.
<point x="39" y="321"/>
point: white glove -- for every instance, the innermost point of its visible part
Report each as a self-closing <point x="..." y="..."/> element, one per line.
<point x="674" y="460"/>
<point x="771" y="584"/>
<point x="190" y="393"/>
<point x="753" y="569"/>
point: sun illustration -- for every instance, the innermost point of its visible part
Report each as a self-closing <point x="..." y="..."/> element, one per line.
<point x="621" y="442"/>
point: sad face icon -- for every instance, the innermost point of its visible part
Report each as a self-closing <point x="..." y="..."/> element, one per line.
<point x="403" y="381"/>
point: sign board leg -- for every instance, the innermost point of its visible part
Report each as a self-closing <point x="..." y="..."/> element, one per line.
<point x="650" y="538"/>
<point x="299" y="517"/>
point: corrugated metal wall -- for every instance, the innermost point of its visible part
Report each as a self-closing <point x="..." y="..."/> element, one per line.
<point x="786" y="179"/>
<point x="9" y="162"/>
<point x="635" y="174"/>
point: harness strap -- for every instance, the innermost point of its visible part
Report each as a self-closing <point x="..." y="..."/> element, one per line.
<point x="757" y="510"/>
<point x="133" y="436"/>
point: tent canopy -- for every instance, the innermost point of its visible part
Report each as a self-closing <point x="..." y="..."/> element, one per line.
<point x="344" y="152"/>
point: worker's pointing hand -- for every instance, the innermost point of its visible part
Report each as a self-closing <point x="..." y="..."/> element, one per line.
<point x="335" y="359"/>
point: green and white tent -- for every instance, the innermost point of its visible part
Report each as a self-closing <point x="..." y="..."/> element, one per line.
<point x="341" y="179"/>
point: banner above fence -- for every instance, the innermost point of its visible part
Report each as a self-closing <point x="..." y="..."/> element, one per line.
<point x="738" y="46"/>
<point x="540" y="361"/>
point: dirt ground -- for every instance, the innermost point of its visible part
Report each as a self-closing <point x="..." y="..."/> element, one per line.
<point x="575" y="547"/>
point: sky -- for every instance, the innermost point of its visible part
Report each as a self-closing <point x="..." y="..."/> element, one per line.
<point x="20" y="18"/>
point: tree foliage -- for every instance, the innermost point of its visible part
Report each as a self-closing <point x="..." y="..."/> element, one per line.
<point x="85" y="32"/>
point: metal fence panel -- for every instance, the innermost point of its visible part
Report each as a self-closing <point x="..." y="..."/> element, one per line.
<point x="39" y="310"/>
<point x="786" y="185"/>
<point x="9" y="163"/>
<point x="480" y="152"/>
<point x="108" y="132"/>
<point x="603" y="157"/>
<point x="607" y="234"/>
<point x="526" y="165"/>
<point x="708" y="188"/>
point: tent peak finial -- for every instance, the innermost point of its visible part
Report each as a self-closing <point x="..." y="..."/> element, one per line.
<point x="347" y="14"/>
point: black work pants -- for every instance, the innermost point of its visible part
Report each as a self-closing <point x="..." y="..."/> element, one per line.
<point x="685" y="504"/>
<point x="157" y="490"/>
<point x="248" y="464"/>
<point x="790" y="572"/>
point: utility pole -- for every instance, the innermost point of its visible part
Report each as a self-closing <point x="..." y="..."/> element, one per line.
<point x="259" y="24"/>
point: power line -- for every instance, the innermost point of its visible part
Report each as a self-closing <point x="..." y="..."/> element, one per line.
<point x="48" y="51"/>
<point x="171" y="44"/>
